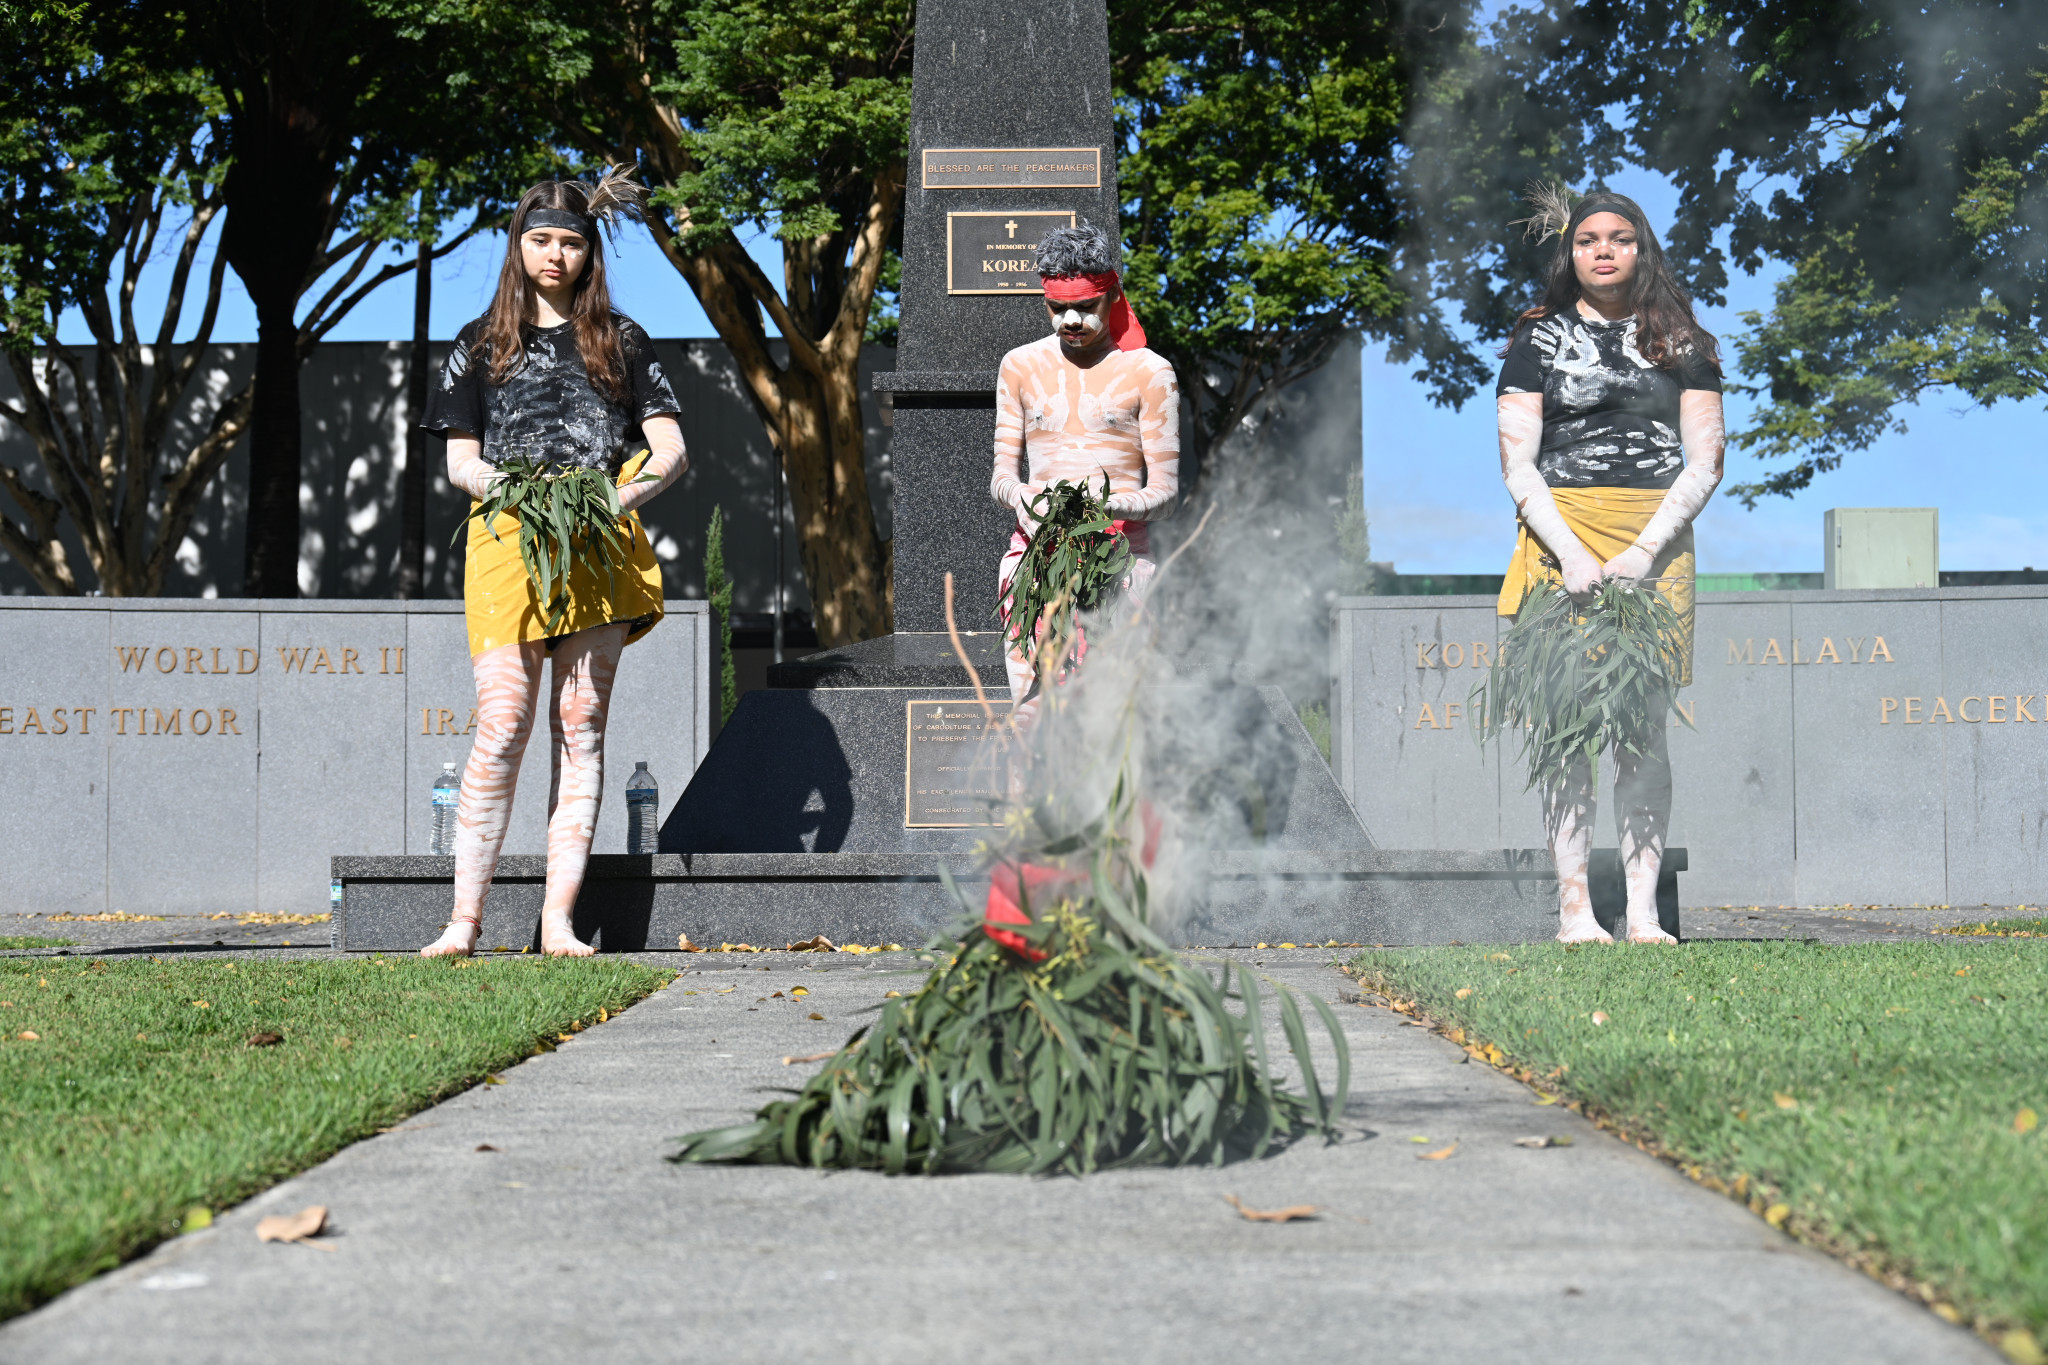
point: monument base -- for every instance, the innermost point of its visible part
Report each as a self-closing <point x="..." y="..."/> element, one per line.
<point x="770" y="900"/>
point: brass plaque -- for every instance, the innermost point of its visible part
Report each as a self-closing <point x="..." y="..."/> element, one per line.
<point x="1013" y="168"/>
<point x="997" y="253"/>
<point x="951" y="773"/>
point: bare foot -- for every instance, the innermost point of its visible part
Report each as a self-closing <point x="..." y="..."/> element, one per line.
<point x="1647" y="931"/>
<point x="1581" y="927"/>
<point x="557" y="939"/>
<point x="457" y="940"/>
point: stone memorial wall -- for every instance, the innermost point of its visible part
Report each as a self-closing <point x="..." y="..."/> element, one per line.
<point x="1875" y="747"/>
<point x="186" y="757"/>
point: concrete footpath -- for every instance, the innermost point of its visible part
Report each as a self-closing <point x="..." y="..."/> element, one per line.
<point x="574" y="1241"/>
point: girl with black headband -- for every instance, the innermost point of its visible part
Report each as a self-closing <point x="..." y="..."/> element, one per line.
<point x="550" y="374"/>
<point x="1610" y="444"/>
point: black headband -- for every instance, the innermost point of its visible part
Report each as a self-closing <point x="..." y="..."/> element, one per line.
<point x="562" y="218"/>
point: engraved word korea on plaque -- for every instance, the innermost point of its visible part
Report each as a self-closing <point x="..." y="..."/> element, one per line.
<point x="955" y="766"/>
<point x="997" y="252"/>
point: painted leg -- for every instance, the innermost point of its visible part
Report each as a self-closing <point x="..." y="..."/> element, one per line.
<point x="580" y="698"/>
<point x="1568" y="825"/>
<point x="507" y="684"/>
<point x="1642" y="810"/>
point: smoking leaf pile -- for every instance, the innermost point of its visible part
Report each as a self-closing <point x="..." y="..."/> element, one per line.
<point x="1571" y="681"/>
<point x="1068" y="1037"/>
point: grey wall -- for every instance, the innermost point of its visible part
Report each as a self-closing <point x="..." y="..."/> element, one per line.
<point x="354" y="432"/>
<point x="194" y="757"/>
<point x="1823" y="769"/>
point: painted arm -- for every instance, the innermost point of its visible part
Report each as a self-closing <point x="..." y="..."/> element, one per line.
<point x="1007" y="485"/>
<point x="1701" y="432"/>
<point x="1521" y="433"/>
<point x="666" y="461"/>
<point x="1159" y="438"/>
<point x="467" y="469"/>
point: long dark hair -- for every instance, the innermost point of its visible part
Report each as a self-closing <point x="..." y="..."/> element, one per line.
<point x="590" y="312"/>
<point x="1665" y="326"/>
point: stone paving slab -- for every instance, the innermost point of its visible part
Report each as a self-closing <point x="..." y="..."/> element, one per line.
<point x="575" y="1241"/>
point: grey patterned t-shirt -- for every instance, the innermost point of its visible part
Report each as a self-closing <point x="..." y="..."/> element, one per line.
<point x="1610" y="418"/>
<point x="546" y="409"/>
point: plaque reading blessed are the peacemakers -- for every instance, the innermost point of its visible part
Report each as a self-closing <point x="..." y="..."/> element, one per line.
<point x="996" y="252"/>
<point x="953" y="776"/>
<point x="1012" y="168"/>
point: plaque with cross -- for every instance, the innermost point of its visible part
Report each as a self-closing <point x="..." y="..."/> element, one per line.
<point x="996" y="251"/>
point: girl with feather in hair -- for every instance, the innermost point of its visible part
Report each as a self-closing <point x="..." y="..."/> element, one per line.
<point x="553" y="378"/>
<point x="1611" y="441"/>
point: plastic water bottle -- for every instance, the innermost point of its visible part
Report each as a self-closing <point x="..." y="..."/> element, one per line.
<point x="447" y="787"/>
<point x="643" y="811"/>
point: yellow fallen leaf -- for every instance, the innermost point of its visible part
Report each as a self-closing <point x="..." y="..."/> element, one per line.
<point x="812" y="1057"/>
<point x="1259" y="945"/>
<point x="201" y="1005"/>
<point x="1438" y="1155"/>
<point x="604" y="1016"/>
<point x="1545" y="1099"/>
<point x="302" y="1226"/>
<point x="1599" y="1017"/>
<point x="1418" y="1138"/>
<point x="800" y="990"/>
<point x="683" y="943"/>
<point x="494" y="1080"/>
<point x="1287" y="945"/>
<point x="2022" y="1347"/>
<point x="1464" y="992"/>
<point x="1947" y="1312"/>
<point x="892" y="995"/>
<point x="815" y="1015"/>
<point x="1783" y="1100"/>
<point x="196" y="1218"/>
<point x="2026" y="1121"/>
<point x="1286" y="1215"/>
<point x="1498" y="957"/>
<point x="1776" y="1214"/>
<point x="29" y="1036"/>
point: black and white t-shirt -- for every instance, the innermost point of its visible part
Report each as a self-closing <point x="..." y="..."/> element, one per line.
<point x="547" y="409"/>
<point x="1610" y="418"/>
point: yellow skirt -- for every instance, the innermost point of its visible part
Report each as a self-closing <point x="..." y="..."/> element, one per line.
<point x="1607" y="521"/>
<point x="500" y="605"/>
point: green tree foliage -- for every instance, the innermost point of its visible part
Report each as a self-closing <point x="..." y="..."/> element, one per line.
<point x="1895" y="155"/>
<point x="718" y="588"/>
<point x="1262" y="214"/>
<point x="793" y="117"/>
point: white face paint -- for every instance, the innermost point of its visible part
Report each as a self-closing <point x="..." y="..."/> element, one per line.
<point x="1074" y="317"/>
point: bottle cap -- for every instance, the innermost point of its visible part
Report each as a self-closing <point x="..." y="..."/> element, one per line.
<point x="447" y="767"/>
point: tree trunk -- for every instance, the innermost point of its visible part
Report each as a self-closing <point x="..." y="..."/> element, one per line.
<point x="270" y="564"/>
<point x="823" y="444"/>
<point x="412" y="519"/>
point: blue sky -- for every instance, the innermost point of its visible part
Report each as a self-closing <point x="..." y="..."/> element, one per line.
<point x="1432" y="483"/>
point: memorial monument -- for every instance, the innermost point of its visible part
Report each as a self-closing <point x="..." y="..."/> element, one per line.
<point x="833" y="798"/>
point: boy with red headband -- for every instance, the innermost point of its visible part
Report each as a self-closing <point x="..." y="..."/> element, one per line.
<point x="1088" y="400"/>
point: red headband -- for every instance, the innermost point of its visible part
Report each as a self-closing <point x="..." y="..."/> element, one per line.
<point x="1123" y="323"/>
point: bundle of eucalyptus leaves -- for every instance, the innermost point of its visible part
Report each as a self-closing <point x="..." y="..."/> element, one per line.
<point x="1074" y="564"/>
<point x="1084" y="1044"/>
<point x="568" y="518"/>
<point x="1572" y="680"/>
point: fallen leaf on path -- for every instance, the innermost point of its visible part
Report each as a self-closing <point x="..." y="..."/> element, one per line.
<point x="892" y="995"/>
<point x="799" y="990"/>
<point x="2026" y="1121"/>
<point x="1543" y="1142"/>
<point x="819" y="944"/>
<point x="494" y="1080"/>
<point x="1440" y="1154"/>
<point x="485" y="1147"/>
<point x="2022" y="1347"/>
<point x="1599" y="1017"/>
<point x="196" y="1218"/>
<point x="265" y="1039"/>
<point x="1286" y="1215"/>
<point x="817" y="1016"/>
<point x="813" y="1057"/>
<point x="302" y="1226"/>
<point x="1546" y="1099"/>
<point x="1783" y="1100"/>
<point x="1776" y="1214"/>
<point x="683" y="943"/>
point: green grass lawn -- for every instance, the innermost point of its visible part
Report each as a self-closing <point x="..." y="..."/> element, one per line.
<point x="140" y="1096"/>
<point x="1882" y="1100"/>
<point x="9" y="942"/>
